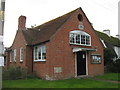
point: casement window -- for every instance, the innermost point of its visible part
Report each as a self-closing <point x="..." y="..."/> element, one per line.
<point x="15" y="54"/>
<point x="96" y="59"/>
<point x="40" y="53"/>
<point x="80" y="38"/>
<point x="10" y="56"/>
<point x="21" y="54"/>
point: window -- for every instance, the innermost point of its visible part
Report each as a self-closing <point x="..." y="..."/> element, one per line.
<point x="15" y="54"/>
<point x="96" y="59"/>
<point x="80" y="18"/>
<point x="21" y="54"/>
<point x="10" y="56"/>
<point x="35" y="53"/>
<point x="40" y="53"/>
<point x="80" y="38"/>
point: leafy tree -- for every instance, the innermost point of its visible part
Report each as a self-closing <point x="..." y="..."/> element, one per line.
<point x="109" y="55"/>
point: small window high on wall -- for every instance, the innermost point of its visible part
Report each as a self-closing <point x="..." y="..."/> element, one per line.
<point x="80" y="38"/>
<point x="80" y="18"/>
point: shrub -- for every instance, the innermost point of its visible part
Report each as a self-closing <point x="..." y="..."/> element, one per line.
<point x="32" y="75"/>
<point x="24" y="72"/>
<point x="113" y="67"/>
<point x="14" y="72"/>
<point x="108" y="56"/>
<point x="5" y="74"/>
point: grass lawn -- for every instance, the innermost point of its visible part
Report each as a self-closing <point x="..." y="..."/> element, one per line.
<point x="110" y="76"/>
<point x="68" y="83"/>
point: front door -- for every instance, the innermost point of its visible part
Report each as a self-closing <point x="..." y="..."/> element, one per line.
<point x="81" y="63"/>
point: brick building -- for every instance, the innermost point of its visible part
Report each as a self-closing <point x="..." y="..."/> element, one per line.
<point x="61" y="48"/>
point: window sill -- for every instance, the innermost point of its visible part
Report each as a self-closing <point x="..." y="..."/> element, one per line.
<point x="79" y="44"/>
<point x="39" y="60"/>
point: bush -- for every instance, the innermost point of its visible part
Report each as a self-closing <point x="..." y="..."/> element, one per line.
<point x="5" y="74"/>
<point x="14" y="72"/>
<point x="109" y="55"/>
<point x="113" y="67"/>
<point x="32" y="75"/>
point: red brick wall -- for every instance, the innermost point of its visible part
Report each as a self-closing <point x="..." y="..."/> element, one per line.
<point x="29" y="58"/>
<point x="41" y="67"/>
<point x="61" y="54"/>
<point x="19" y="42"/>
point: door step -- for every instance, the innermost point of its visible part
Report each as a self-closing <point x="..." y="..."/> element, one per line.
<point x="84" y="76"/>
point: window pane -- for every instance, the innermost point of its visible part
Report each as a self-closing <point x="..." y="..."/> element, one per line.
<point x="87" y="40"/>
<point x="35" y="53"/>
<point x="82" y="39"/>
<point x="39" y="53"/>
<point x="43" y="52"/>
<point x="77" y="38"/>
<point x="21" y="54"/>
<point x="15" y="55"/>
<point x="71" y="38"/>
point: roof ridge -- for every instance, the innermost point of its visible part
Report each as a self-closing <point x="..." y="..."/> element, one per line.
<point x="46" y="30"/>
<point x="56" y="18"/>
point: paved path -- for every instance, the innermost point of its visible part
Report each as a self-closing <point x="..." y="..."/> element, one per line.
<point x="112" y="81"/>
<point x="104" y="80"/>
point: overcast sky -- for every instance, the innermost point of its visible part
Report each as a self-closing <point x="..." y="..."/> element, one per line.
<point x="102" y="13"/>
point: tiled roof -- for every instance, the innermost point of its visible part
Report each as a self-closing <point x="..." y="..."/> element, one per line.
<point x="45" y="31"/>
<point x="109" y="40"/>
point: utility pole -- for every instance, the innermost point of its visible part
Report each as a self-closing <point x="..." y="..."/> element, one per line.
<point x="119" y="24"/>
<point x="2" y="9"/>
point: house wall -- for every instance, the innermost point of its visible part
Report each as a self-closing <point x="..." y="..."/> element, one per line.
<point x="117" y="50"/>
<point x="29" y="58"/>
<point x="60" y="60"/>
<point x="61" y="55"/>
<point x="19" y="42"/>
<point x="41" y="67"/>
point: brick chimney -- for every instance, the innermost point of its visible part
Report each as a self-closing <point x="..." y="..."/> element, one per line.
<point x="107" y="32"/>
<point x="22" y="23"/>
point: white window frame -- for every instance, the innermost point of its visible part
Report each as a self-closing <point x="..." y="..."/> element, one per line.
<point x="77" y="32"/>
<point x="21" y="54"/>
<point x="15" y="55"/>
<point x="36" y="57"/>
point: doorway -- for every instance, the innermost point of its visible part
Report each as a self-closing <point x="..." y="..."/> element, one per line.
<point x="81" y="63"/>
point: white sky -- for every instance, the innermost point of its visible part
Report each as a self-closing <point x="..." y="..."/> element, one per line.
<point x="102" y="13"/>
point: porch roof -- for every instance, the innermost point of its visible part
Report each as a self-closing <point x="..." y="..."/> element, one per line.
<point x="76" y="49"/>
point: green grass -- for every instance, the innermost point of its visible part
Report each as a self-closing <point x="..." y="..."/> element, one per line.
<point x="68" y="83"/>
<point x="110" y="76"/>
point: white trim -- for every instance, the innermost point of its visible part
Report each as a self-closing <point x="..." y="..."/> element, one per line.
<point x="76" y="32"/>
<point x="21" y="54"/>
<point x="15" y="55"/>
<point x="75" y="64"/>
<point x="103" y="43"/>
<point x="76" y="49"/>
<point x="42" y="50"/>
<point x="86" y="64"/>
<point x="38" y="60"/>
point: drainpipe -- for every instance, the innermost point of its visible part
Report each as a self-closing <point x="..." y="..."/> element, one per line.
<point x="2" y="9"/>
